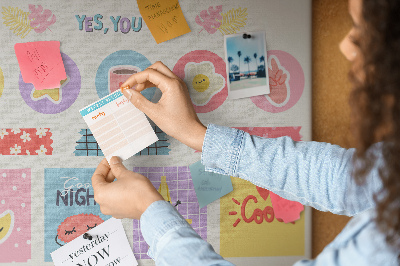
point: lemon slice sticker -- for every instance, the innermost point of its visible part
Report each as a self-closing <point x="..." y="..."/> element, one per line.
<point x="6" y="225"/>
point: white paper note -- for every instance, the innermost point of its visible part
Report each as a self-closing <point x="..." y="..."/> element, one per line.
<point x="109" y="246"/>
<point x="118" y="126"/>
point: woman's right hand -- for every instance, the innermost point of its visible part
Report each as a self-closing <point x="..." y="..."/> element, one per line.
<point x="174" y="113"/>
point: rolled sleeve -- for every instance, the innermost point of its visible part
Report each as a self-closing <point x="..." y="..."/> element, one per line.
<point x="222" y="148"/>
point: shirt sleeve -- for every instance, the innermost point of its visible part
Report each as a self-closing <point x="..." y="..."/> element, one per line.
<point x="172" y="240"/>
<point x="312" y="173"/>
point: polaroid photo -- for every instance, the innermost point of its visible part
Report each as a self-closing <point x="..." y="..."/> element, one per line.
<point x="246" y="57"/>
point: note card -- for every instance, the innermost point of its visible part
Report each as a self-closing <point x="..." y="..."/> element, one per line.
<point x="108" y="246"/>
<point x="118" y="126"/>
<point x="209" y="186"/>
<point x="164" y="18"/>
<point x="41" y="64"/>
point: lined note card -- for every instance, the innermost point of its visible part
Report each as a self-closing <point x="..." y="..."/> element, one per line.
<point x="118" y="126"/>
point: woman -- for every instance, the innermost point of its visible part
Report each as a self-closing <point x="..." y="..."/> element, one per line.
<point x="362" y="182"/>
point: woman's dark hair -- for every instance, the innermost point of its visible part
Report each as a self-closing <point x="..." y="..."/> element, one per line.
<point x="375" y="103"/>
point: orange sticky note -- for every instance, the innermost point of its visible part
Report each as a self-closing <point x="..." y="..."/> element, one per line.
<point x="164" y="18"/>
<point x="41" y="63"/>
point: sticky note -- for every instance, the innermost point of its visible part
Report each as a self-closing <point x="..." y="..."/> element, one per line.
<point x="41" y="64"/>
<point x="288" y="211"/>
<point x="106" y="244"/>
<point x="118" y="126"/>
<point x="209" y="186"/>
<point x="164" y="18"/>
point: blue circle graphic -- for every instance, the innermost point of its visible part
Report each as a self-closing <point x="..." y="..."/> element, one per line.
<point x="120" y="58"/>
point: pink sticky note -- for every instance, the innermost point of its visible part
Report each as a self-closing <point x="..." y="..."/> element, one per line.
<point x="288" y="211"/>
<point x="41" y="63"/>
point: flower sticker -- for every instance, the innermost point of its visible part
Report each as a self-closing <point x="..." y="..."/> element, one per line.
<point x="42" y="150"/>
<point x="15" y="150"/>
<point x="3" y="132"/>
<point x="25" y="137"/>
<point x="16" y="130"/>
<point x="203" y="82"/>
<point x="41" y="132"/>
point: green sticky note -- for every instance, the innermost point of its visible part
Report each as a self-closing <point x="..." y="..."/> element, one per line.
<point x="209" y="186"/>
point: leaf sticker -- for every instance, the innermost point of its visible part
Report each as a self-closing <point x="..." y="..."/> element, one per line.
<point x="17" y="20"/>
<point x="233" y="20"/>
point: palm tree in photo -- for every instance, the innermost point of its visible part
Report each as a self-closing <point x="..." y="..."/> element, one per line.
<point x="247" y="60"/>
<point x="230" y="60"/>
<point x="262" y="59"/>
<point x="239" y="55"/>
<point x="255" y="58"/>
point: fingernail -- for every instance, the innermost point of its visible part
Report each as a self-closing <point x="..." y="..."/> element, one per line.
<point x="115" y="160"/>
<point x="128" y="93"/>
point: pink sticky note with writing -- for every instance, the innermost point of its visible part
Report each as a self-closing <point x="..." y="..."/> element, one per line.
<point x="41" y="63"/>
<point x="288" y="211"/>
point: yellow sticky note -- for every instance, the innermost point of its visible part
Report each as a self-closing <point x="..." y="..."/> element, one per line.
<point x="249" y="228"/>
<point x="164" y="18"/>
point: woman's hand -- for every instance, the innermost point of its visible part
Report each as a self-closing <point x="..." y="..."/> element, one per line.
<point x="127" y="197"/>
<point x="174" y="112"/>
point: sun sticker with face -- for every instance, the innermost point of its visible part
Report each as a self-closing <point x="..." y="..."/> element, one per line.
<point x="204" y="73"/>
<point x="202" y="81"/>
<point x="6" y="225"/>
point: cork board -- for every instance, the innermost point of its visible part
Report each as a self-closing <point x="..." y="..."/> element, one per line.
<point x="331" y="89"/>
<point x="101" y="41"/>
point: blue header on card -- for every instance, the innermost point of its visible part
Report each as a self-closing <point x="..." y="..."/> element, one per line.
<point x="100" y="103"/>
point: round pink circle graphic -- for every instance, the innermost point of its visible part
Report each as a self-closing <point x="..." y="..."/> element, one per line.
<point x="199" y="56"/>
<point x="286" y="81"/>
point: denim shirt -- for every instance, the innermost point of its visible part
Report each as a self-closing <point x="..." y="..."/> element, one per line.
<point x="312" y="173"/>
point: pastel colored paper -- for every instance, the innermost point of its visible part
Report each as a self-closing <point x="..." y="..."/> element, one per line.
<point x="247" y="214"/>
<point x="15" y="215"/>
<point x="110" y="247"/>
<point x="41" y="63"/>
<point x="70" y="209"/>
<point x="288" y="211"/>
<point x="175" y="185"/>
<point x="164" y="18"/>
<point x="209" y="186"/>
<point x="57" y="99"/>
<point x="26" y="141"/>
<point x="118" y="126"/>
<point x="250" y="217"/>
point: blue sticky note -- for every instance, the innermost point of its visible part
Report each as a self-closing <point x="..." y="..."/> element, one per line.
<point x="209" y="186"/>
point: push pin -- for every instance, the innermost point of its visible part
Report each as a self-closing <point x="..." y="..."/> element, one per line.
<point x="87" y="236"/>
<point x="125" y="88"/>
<point x="246" y="36"/>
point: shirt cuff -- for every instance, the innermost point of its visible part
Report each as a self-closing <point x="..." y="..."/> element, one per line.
<point x="222" y="148"/>
<point x="159" y="218"/>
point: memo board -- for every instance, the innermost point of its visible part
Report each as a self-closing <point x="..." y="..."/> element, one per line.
<point x="48" y="154"/>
